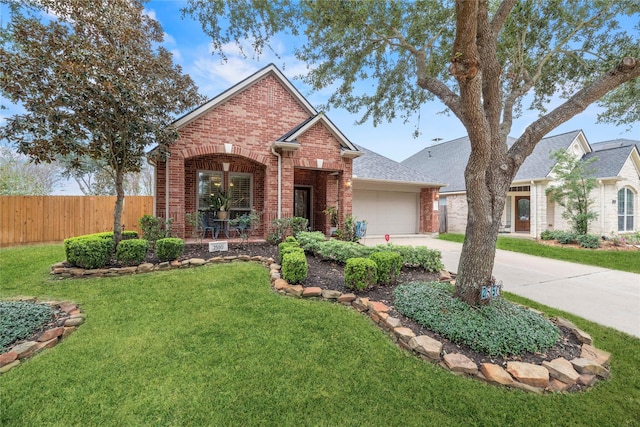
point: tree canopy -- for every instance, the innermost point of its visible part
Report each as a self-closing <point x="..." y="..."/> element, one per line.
<point x="19" y="176"/>
<point x="93" y="81"/>
<point x="482" y="59"/>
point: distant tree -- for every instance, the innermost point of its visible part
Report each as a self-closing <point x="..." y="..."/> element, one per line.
<point x="19" y="176"/>
<point x="482" y="59"/>
<point x="575" y="181"/>
<point x="93" y="82"/>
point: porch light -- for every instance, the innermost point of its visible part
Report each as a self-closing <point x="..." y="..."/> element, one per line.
<point x="348" y="183"/>
<point x="225" y="167"/>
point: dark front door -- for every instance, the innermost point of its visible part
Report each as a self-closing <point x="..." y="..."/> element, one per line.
<point x="302" y="202"/>
<point x="523" y="213"/>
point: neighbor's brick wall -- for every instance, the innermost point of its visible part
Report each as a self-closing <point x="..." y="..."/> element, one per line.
<point x="457" y="213"/>
<point x="429" y="218"/>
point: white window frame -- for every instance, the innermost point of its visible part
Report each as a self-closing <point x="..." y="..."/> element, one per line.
<point x="629" y="195"/>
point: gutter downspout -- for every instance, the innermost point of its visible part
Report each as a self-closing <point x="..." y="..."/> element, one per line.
<point x="279" y="156"/>
<point x="602" y="208"/>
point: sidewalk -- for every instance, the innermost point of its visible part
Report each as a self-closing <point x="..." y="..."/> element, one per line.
<point x="608" y="297"/>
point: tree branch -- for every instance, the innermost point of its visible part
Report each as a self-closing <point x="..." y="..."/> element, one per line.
<point x="501" y="15"/>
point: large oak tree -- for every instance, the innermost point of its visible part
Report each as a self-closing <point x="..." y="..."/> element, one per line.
<point x="93" y="82"/>
<point x="480" y="58"/>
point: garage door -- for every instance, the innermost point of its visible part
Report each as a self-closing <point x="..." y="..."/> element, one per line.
<point x="387" y="212"/>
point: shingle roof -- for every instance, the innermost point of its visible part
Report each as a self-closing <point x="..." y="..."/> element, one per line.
<point x="611" y="156"/>
<point x="447" y="161"/>
<point x="374" y="166"/>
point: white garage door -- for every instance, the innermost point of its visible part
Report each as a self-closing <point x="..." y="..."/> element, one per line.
<point x="387" y="212"/>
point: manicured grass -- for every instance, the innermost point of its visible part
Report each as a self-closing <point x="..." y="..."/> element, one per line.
<point x="615" y="260"/>
<point x="215" y="346"/>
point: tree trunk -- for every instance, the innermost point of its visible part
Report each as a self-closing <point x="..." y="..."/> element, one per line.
<point x="117" y="211"/>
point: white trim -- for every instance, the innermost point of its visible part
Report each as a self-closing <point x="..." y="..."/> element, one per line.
<point x="407" y="183"/>
<point x="244" y="84"/>
<point x="344" y="142"/>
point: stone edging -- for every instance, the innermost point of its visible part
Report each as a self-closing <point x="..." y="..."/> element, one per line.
<point x="64" y="326"/>
<point x="551" y="376"/>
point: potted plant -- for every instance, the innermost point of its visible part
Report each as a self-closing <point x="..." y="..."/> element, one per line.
<point x="223" y="205"/>
<point x="332" y="213"/>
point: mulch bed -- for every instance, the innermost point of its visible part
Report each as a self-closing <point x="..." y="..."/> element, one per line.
<point x="330" y="275"/>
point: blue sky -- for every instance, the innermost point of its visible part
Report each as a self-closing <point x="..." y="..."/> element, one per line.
<point x="191" y="49"/>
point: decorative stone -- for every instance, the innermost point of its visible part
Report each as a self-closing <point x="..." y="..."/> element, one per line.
<point x="361" y="304"/>
<point x="294" y="290"/>
<point x="256" y="258"/>
<point x="9" y="366"/>
<point x="214" y="259"/>
<point x="392" y="322"/>
<point x="67" y="307"/>
<point x="313" y="291"/>
<point x="68" y="331"/>
<point x="77" y="321"/>
<point x="527" y="373"/>
<point x="51" y="334"/>
<point x="378" y="307"/>
<point x="280" y="284"/>
<point x="557" y="385"/>
<point x="595" y="354"/>
<point x="197" y="261"/>
<point x="527" y="387"/>
<point x="244" y="257"/>
<point x="445" y="276"/>
<point x="495" y="374"/>
<point x="565" y="323"/>
<point x="562" y="370"/>
<point x="347" y="298"/>
<point x="25" y="349"/>
<point x="426" y="345"/>
<point x="405" y="334"/>
<point x="582" y="336"/>
<point x="230" y="258"/>
<point x="47" y="344"/>
<point x="457" y="362"/>
<point x="127" y="270"/>
<point x="275" y="275"/>
<point x="145" y="267"/>
<point x="175" y="264"/>
<point x="588" y="366"/>
<point x="8" y="357"/>
<point x="330" y="294"/>
<point x="275" y="267"/>
<point x="587" y="380"/>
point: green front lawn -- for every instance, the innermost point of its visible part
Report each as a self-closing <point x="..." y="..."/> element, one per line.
<point x="616" y="260"/>
<point x="215" y="346"/>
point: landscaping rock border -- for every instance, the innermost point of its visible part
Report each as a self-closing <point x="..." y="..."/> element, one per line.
<point x="558" y="375"/>
<point x="63" y="326"/>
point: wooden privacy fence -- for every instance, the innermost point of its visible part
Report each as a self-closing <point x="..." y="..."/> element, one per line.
<point x="32" y="219"/>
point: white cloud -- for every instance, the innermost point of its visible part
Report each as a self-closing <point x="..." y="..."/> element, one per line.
<point x="150" y="13"/>
<point x="168" y="39"/>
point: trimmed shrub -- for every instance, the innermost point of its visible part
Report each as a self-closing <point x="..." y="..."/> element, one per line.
<point x="590" y="241"/>
<point x="549" y="235"/>
<point x="154" y="228"/>
<point x="418" y="256"/>
<point x="360" y="273"/>
<point x="340" y="251"/>
<point x="294" y="266"/>
<point x="132" y="252"/>
<point x="19" y="320"/>
<point x="287" y="247"/>
<point x="388" y="266"/>
<point x="291" y="239"/>
<point x="498" y="328"/>
<point x="169" y="248"/>
<point x="310" y="241"/>
<point x="566" y="238"/>
<point x="90" y="251"/>
<point x="298" y="224"/>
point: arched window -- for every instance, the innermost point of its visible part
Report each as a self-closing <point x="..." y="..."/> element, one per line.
<point x="625" y="209"/>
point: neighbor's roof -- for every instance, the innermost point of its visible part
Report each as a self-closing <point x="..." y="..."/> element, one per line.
<point x="375" y="167"/>
<point x="448" y="160"/>
<point x="611" y="156"/>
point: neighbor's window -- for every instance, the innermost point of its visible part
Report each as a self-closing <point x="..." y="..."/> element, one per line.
<point x="625" y="209"/>
<point x="240" y="189"/>
<point x="209" y="184"/>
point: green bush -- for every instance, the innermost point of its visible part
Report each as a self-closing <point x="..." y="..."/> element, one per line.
<point x="418" y="256"/>
<point x="310" y="241"/>
<point x="341" y="251"/>
<point x="498" y="328"/>
<point x="360" y="273"/>
<point x="132" y="252"/>
<point x="169" y="248"/>
<point x="549" y="235"/>
<point x="89" y="251"/>
<point x="19" y="320"/>
<point x="287" y="247"/>
<point x="565" y="237"/>
<point x="294" y="266"/>
<point x="291" y="239"/>
<point x="298" y="224"/>
<point x="389" y="265"/>
<point x="154" y="228"/>
<point x="590" y="241"/>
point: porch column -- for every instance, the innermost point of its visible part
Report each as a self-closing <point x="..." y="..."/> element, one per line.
<point x="429" y="211"/>
<point x="175" y="194"/>
<point x="288" y="180"/>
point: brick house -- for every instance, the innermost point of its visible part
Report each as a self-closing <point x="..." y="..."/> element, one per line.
<point x="264" y="144"/>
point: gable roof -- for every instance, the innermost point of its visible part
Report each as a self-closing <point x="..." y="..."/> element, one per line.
<point x="293" y="134"/>
<point x="375" y="167"/>
<point x="448" y="160"/>
<point x="270" y="69"/>
<point x="611" y="156"/>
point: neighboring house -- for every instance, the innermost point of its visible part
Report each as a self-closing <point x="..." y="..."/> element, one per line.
<point x="264" y="144"/>
<point x="527" y="209"/>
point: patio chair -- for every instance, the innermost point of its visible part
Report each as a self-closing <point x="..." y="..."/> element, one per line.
<point x="205" y="226"/>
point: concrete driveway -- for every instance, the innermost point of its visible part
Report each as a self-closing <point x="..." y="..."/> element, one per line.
<point x="607" y="297"/>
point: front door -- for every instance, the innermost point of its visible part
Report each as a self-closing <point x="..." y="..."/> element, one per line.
<point x="302" y="203"/>
<point x="523" y="213"/>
